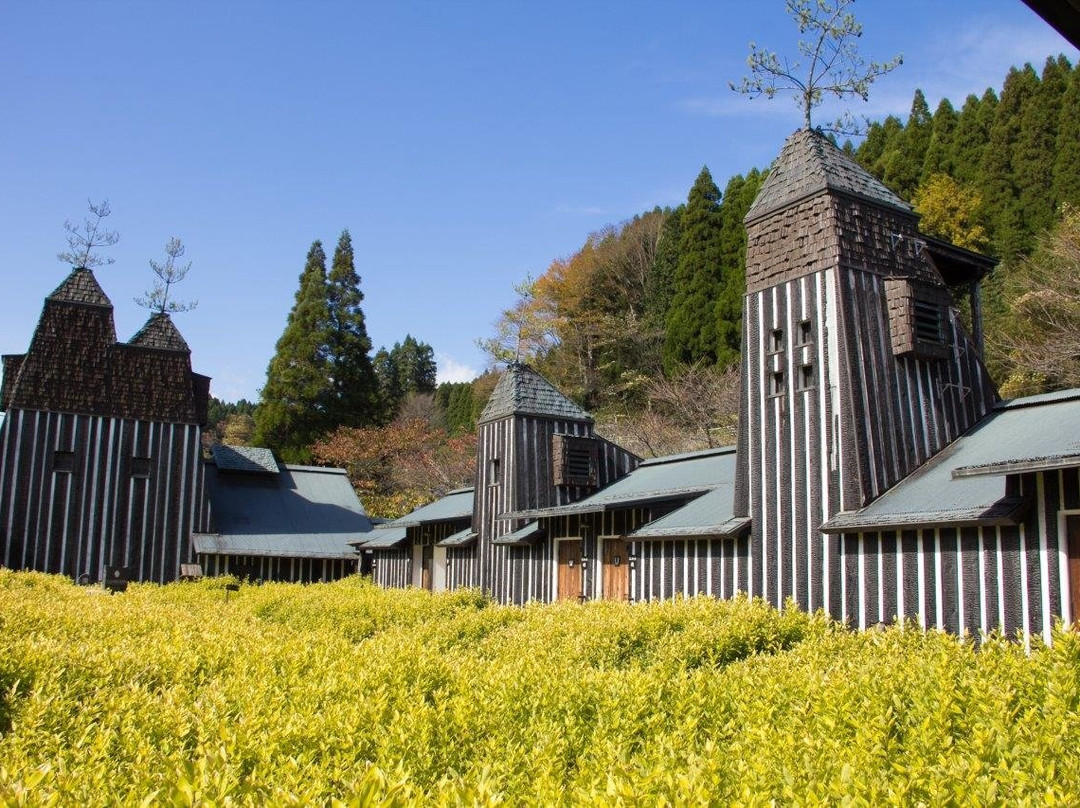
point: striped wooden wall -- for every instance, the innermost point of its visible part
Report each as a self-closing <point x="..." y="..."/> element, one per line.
<point x="462" y="567"/>
<point x="289" y="570"/>
<point x="393" y="567"/>
<point x="866" y="420"/>
<point x="523" y="480"/>
<point x="76" y="522"/>
<point x="688" y="567"/>
<point x="968" y="579"/>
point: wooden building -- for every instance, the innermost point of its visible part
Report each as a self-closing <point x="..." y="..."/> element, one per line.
<point x="278" y="522"/>
<point x="876" y="476"/>
<point x="100" y="447"/>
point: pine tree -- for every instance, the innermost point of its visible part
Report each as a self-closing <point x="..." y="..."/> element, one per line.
<point x="291" y="413"/>
<point x="662" y="272"/>
<point x="904" y="165"/>
<point x="738" y="196"/>
<point x="999" y="180"/>
<point x="1033" y="162"/>
<point x="971" y="135"/>
<point x="408" y="367"/>
<point x="354" y="399"/>
<point x="939" y="152"/>
<point x="691" y="333"/>
<point x="1067" y="160"/>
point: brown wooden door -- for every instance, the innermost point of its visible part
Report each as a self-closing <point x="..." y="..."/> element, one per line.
<point x="570" y="574"/>
<point x="1072" y="530"/>
<point x="427" y="558"/>
<point x="616" y="570"/>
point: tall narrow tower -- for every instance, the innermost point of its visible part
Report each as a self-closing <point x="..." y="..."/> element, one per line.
<point x="856" y="368"/>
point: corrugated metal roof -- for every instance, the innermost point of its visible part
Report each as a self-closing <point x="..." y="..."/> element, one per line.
<point x="808" y="164"/>
<point x="297" y="512"/>
<point x="655" y="480"/>
<point x="459" y="539"/>
<point x="384" y="537"/>
<point x="934" y="494"/>
<point x="523" y="535"/>
<point x="251" y="459"/>
<point x="455" y="505"/>
<point x="523" y="391"/>
<point x="290" y="545"/>
<point x="711" y="514"/>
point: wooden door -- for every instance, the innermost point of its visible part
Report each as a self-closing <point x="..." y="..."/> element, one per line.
<point x="426" y="558"/>
<point x="570" y="572"/>
<point x="616" y="570"/>
<point x="1072" y="531"/>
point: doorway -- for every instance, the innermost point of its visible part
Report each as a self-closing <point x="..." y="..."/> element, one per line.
<point x="1072" y="533"/>
<point x="570" y="575"/>
<point x="616" y="580"/>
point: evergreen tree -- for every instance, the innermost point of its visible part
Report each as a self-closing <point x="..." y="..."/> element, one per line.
<point x="1033" y="161"/>
<point x="738" y="197"/>
<point x="408" y="367"/>
<point x="662" y="272"/>
<point x="1067" y="160"/>
<point x="691" y="332"/>
<point x="1009" y="231"/>
<point x="939" y="152"/>
<point x="354" y="399"/>
<point x="971" y="135"/>
<point x="291" y="413"/>
<point x="904" y="164"/>
<point x="881" y="144"/>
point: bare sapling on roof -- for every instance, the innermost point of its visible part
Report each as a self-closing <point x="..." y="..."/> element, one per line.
<point x="828" y="62"/>
<point x="86" y="239"/>
<point x="169" y="273"/>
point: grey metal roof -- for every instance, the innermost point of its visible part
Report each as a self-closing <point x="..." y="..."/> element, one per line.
<point x="251" y="459"/>
<point x="384" y="537"/>
<point x="459" y="539"/>
<point x="523" y="535"/>
<point x="657" y="480"/>
<point x="160" y="332"/>
<point x="299" y="512"/>
<point x="809" y="164"/>
<point x="944" y="491"/>
<point x="522" y="390"/>
<point x="292" y="545"/>
<point x="711" y="514"/>
<point x="455" y="505"/>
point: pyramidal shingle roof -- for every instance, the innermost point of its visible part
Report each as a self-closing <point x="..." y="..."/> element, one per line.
<point x="523" y="391"/>
<point x="80" y="287"/>
<point x="159" y="332"/>
<point x="808" y="164"/>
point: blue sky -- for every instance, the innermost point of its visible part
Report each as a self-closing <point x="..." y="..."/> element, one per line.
<point x="464" y="145"/>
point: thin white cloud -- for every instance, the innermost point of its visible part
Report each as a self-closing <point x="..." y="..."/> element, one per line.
<point x="449" y="369"/>
<point x="580" y="210"/>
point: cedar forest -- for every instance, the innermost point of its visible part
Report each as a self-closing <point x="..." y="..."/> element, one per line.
<point x="619" y="325"/>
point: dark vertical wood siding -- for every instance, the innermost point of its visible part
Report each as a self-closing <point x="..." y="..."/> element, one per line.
<point x="392" y="568"/>
<point x="75" y="523"/>
<point x="287" y="570"/>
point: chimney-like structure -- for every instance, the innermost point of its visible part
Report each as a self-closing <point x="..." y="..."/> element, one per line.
<point x="856" y="367"/>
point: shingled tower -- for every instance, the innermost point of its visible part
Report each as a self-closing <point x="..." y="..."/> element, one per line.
<point x="855" y="366"/>
<point x="99" y="450"/>
<point x="535" y="449"/>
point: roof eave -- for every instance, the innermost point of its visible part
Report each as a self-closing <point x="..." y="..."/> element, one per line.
<point x="1053" y="463"/>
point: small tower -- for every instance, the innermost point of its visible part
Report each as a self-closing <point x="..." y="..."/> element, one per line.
<point x="100" y="449"/>
<point x="856" y="368"/>
<point x="535" y="449"/>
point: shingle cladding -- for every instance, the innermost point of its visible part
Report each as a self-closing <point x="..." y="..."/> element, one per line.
<point x="523" y="391"/>
<point x="809" y="164"/>
<point x="75" y="364"/>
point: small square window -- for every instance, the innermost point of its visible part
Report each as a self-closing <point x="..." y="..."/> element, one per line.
<point x="806" y="377"/>
<point x="140" y="468"/>
<point x="776" y="383"/>
<point x="806" y="332"/>
<point x="776" y="343"/>
<point x="63" y="462"/>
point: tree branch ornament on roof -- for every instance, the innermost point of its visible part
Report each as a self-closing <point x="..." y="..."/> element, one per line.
<point x="828" y="64"/>
<point x="83" y="241"/>
<point x="168" y="273"/>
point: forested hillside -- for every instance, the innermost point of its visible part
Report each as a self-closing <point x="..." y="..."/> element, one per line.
<point x="646" y="317"/>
